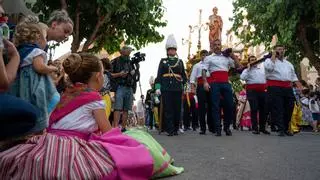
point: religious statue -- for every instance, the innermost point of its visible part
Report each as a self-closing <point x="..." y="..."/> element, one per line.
<point x="215" y="26"/>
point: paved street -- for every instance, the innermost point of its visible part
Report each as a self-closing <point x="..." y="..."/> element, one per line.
<point x="245" y="156"/>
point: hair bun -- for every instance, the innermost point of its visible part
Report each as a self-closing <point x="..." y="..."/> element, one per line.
<point x="72" y="63"/>
<point x="31" y="19"/>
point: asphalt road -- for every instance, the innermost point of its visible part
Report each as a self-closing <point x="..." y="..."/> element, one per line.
<point x="244" y="156"/>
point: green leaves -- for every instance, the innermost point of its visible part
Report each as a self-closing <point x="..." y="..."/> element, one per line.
<point x="108" y="23"/>
<point x="283" y="17"/>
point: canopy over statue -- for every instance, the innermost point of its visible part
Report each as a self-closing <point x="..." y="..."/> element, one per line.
<point x="215" y="26"/>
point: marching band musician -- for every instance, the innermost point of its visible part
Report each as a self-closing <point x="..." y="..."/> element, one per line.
<point x="280" y="75"/>
<point x="218" y="65"/>
<point x="169" y="83"/>
<point x="255" y="79"/>
<point x="203" y="96"/>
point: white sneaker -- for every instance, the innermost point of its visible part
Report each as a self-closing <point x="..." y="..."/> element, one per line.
<point x="181" y="130"/>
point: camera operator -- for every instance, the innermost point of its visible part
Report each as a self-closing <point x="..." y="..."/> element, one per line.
<point x="123" y="73"/>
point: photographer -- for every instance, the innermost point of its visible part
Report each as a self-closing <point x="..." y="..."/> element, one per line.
<point x="123" y="73"/>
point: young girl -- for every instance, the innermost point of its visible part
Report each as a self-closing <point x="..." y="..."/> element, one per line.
<point x="243" y="115"/>
<point x="315" y="109"/>
<point x="106" y="88"/>
<point x="305" y="101"/>
<point x="33" y="82"/>
<point x="80" y="143"/>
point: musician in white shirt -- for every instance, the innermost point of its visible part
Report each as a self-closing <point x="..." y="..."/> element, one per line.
<point x="280" y="75"/>
<point x="255" y="79"/>
<point x="218" y="66"/>
<point x="203" y="96"/>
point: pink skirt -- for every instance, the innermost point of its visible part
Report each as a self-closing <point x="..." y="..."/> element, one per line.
<point x="56" y="157"/>
<point x="246" y="120"/>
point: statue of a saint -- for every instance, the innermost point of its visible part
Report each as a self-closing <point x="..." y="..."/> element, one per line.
<point x="215" y="26"/>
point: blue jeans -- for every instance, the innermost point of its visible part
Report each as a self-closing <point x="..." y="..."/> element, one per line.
<point x="223" y="90"/>
<point x="124" y="99"/>
<point x="18" y="117"/>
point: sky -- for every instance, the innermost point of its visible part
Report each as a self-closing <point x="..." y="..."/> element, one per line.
<point x="179" y="15"/>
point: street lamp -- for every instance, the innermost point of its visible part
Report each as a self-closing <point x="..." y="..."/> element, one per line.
<point x="245" y="29"/>
<point x="188" y="41"/>
<point x="199" y="27"/>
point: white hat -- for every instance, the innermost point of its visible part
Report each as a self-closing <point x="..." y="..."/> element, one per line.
<point x="171" y="42"/>
<point x="151" y="80"/>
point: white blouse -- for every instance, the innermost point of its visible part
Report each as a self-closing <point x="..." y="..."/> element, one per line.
<point x="81" y="119"/>
<point x="30" y="57"/>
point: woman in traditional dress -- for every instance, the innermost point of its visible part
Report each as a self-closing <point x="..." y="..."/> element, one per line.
<point x="80" y="143"/>
<point x="243" y="115"/>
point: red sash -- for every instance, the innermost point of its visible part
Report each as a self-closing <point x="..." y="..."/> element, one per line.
<point x="256" y="87"/>
<point x="285" y="84"/>
<point x="190" y="95"/>
<point x="219" y="76"/>
<point x="200" y="81"/>
<point x="72" y="99"/>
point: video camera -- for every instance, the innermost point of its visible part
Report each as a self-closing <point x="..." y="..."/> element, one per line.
<point x="135" y="60"/>
<point x="138" y="57"/>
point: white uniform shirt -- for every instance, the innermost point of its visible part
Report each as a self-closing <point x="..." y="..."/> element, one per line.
<point x="197" y="72"/>
<point x="214" y="63"/>
<point x="280" y="70"/>
<point x="254" y="75"/>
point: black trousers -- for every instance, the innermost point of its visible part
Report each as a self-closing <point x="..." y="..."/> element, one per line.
<point x="257" y="101"/>
<point x="282" y="106"/>
<point x="171" y="110"/>
<point x="150" y="117"/>
<point x="190" y="114"/>
<point x="205" y="109"/>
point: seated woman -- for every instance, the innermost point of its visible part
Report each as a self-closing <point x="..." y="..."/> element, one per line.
<point x="80" y="143"/>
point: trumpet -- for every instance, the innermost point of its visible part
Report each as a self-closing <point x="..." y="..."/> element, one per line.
<point x="261" y="59"/>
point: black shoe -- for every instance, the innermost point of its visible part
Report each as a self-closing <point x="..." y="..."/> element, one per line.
<point x="218" y="134"/>
<point x="212" y="130"/>
<point x="228" y="132"/>
<point x="273" y="129"/>
<point x="175" y="133"/>
<point x="194" y="129"/>
<point x="265" y="132"/>
<point x="170" y="134"/>
<point x="255" y="132"/>
<point x="281" y="133"/>
<point x="288" y="133"/>
<point x="202" y="132"/>
<point x="123" y="130"/>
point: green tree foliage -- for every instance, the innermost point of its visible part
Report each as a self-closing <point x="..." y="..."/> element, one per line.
<point x="108" y="23"/>
<point x="296" y="24"/>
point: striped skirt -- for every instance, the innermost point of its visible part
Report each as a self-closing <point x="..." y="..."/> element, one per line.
<point x="56" y="157"/>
